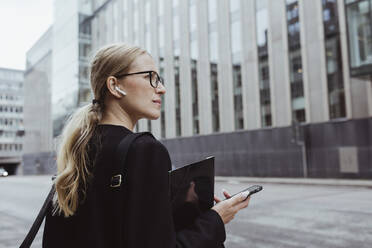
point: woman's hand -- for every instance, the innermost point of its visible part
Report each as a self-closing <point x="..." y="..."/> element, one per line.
<point x="229" y="207"/>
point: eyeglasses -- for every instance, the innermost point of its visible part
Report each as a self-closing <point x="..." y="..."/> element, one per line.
<point x="154" y="77"/>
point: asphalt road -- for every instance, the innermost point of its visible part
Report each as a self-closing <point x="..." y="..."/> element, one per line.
<point x="281" y="215"/>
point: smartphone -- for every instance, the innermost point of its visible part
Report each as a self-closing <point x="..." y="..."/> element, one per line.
<point x="252" y="190"/>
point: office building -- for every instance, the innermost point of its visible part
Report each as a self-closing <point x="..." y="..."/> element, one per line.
<point x="244" y="78"/>
<point x="38" y="139"/>
<point x="11" y="119"/>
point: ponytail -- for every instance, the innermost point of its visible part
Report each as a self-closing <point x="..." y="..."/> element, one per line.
<point x="72" y="171"/>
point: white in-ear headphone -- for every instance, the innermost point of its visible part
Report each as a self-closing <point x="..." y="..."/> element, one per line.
<point x="120" y="90"/>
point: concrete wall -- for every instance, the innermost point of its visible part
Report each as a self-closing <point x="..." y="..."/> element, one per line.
<point x="37" y="110"/>
<point x="337" y="149"/>
<point x="39" y="163"/>
<point x="37" y="100"/>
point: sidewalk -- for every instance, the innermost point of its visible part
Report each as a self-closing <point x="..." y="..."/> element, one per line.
<point x="307" y="181"/>
<point x="235" y="180"/>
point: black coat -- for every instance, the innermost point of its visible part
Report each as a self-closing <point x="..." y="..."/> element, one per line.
<point x="147" y="213"/>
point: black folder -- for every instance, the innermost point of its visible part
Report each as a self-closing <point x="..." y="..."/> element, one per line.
<point x="191" y="191"/>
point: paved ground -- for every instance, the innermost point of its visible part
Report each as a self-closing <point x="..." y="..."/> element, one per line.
<point x="282" y="215"/>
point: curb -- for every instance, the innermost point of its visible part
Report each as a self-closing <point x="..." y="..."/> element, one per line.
<point x="304" y="181"/>
<point x="235" y="180"/>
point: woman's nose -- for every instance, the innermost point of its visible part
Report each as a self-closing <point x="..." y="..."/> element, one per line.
<point x="161" y="89"/>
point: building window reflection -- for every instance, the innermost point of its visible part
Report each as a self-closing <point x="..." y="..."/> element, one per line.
<point x="359" y="23"/>
<point x="213" y="58"/>
<point x="336" y="93"/>
<point x="177" y="98"/>
<point x="148" y="39"/>
<point x="161" y="37"/>
<point x="176" y="54"/>
<point x="295" y="61"/>
<point x="136" y="24"/>
<point x="236" y="48"/>
<point x="148" y="26"/>
<point x="85" y="32"/>
<point x="194" y="58"/>
<point x="263" y="62"/>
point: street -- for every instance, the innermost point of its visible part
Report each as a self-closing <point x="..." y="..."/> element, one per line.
<point x="282" y="215"/>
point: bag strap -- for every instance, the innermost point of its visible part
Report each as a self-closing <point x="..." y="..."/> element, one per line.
<point x="39" y="219"/>
<point x="120" y="157"/>
<point x="120" y="173"/>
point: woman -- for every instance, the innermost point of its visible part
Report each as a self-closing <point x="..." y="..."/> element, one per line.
<point x="126" y="88"/>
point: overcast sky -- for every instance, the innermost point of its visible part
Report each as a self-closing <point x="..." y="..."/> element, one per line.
<point x="22" y="22"/>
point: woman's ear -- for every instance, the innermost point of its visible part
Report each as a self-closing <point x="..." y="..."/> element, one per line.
<point x="112" y="83"/>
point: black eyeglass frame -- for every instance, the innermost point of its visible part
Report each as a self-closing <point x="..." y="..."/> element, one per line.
<point x="158" y="78"/>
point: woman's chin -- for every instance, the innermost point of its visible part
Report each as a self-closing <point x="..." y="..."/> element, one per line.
<point x="153" y="116"/>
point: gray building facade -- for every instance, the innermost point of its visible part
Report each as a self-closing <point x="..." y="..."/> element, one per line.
<point x="38" y="105"/>
<point x="11" y="119"/>
<point x="244" y="78"/>
<point x="71" y="44"/>
<point x="240" y="68"/>
<point x="255" y="63"/>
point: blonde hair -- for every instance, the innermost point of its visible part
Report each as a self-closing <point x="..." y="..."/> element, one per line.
<point x="72" y="157"/>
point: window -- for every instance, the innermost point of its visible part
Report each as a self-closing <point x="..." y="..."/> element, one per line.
<point x="194" y="72"/>
<point x="213" y="57"/>
<point x="136" y="26"/>
<point x="236" y="47"/>
<point x="295" y="61"/>
<point x="161" y="8"/>
<point x="161" y="34"/>
<point x="263" y="63"/>
<point x="162" y="121"/>
<point x="178" y="98"/>
<point x="147" y="26"/>
<point x="234" y="5"/>
<point x="176" y="54"/>
<point x="336" y="92"/>
<point x="161" y="31"/>
<point x="212" y="11"/>
<point x="149" y="125"/>
<point x="359" y="24"/>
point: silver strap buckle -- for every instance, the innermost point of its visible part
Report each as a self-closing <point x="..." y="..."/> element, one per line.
<point x="115" y="181"/>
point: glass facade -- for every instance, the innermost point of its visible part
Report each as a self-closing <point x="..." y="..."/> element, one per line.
<point x="176" y="62"/>
<point x="115" y="23"/>
<point x="336" y="92"/>
<point x="12" y="128"/>
<point x="262" y="26"/>
<point x="147" y="26"/>
<point x="177" y="98"/>
<point x="295" y="61"/>
<point x="148" y="39"/>
<point x="194" y="70"/>
<point x="125" y="21"/>
<point x="236" y="50"/>
<point x="359" y="23"/>
<point x="85" y="32"/>
<point x="213" y="58"/>
<point x="161" y="36"/>
<point x="136" y="24"/>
